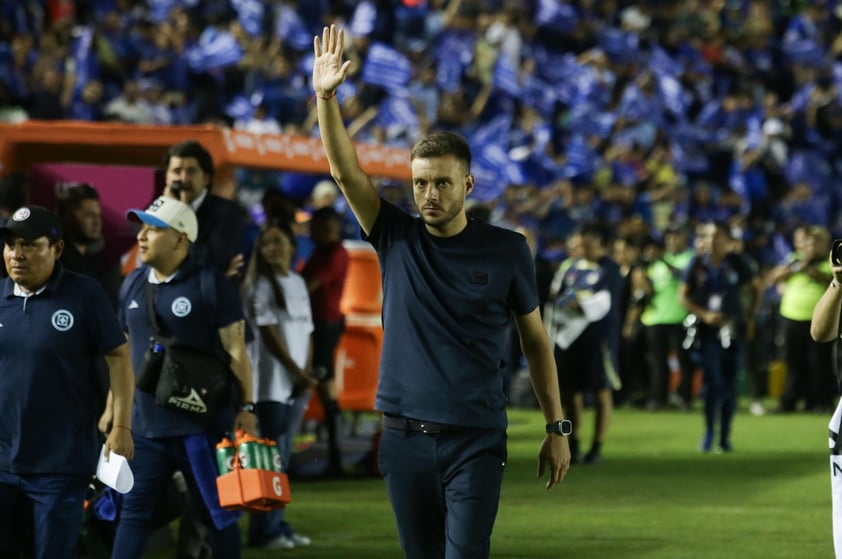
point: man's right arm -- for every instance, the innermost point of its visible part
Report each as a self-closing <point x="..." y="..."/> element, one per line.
<point x="329" y="72"/>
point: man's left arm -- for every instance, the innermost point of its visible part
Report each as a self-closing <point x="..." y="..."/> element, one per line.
<point x="537" y="350"/>
<point x="121" y="399"/>
<point x="233" y="339"/>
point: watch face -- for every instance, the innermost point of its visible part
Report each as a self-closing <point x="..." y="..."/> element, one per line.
<point x="563" y="427"/>
<point x="566" y="427"/>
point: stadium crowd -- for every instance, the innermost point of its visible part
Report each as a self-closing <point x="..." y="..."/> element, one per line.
<point x="641" y="116"/>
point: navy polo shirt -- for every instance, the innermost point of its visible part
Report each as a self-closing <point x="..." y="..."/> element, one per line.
<point x="447" y="306"/>
<point x="717" y="288"/>
<point x="51" y="347"/>
<point x="182" y="313"/>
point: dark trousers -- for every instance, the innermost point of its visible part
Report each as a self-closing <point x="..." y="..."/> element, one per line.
<point x="56" y="502"/>
<point x="444" y="489"/>
<point x="273" y="419"/>
<point x="719" y="387"/>
<point x="326" y="336"/>
<point x="809" y="369"/>
<point x="153" y="465"/>
<point x="662" y="340"/>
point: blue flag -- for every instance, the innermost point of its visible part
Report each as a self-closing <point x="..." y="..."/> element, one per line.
<point x="291" y="28"/>
<point x="250" y="13"/>
<point x="215" y="49"/>
<point x="386" y="67"/>
<point x="556" y="15"/>
<point x="505" y="77"/>
<point x="397" y="116"/>
<point x="363" y="19"/>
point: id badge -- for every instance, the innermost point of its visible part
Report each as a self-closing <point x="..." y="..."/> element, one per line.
<point x="715" y="302"/>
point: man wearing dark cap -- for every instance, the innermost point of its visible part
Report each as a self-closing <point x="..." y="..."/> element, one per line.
<point x="55" y="329"/>
<point x="197" y="306"/>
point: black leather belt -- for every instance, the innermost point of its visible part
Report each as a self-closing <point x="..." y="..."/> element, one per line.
<point x="417" y="425"/>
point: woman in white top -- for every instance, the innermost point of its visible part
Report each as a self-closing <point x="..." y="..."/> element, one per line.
<point x="278" y="308"/>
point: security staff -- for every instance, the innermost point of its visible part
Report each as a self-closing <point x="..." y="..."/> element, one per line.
<point x="55" y="329"/>
<point x="712" y="291"/>
<point x="168" y="440"/>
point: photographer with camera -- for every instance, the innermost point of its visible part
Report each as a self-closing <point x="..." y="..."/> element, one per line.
<point x="824" y="328"/>
<point x="802" y="280"/>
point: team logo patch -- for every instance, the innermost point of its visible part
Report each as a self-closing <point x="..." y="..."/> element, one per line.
<point x="181" y="307"/>
<point x="21" y="215"/>
<point x="62" y="320"/>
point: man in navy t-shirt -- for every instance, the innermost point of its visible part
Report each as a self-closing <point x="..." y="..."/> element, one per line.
<point x="712" y="290"/>
<point x="450" y="287"/>
<point x="167" y="440"/>
<point x="56" y="327"/>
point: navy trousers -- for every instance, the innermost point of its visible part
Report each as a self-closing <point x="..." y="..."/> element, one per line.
<point x="719" y="391"/>
<point x="153" y="465"/>
<point x="444" y="489"/>
<point x="56" y="502"/>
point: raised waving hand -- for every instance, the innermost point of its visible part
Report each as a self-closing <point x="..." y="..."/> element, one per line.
<point x="329" y="71"/>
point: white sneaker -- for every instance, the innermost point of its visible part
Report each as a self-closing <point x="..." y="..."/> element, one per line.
<point x="281" y="542"/>
<point x="757" y="408"/>
<point x="299" y="540"/>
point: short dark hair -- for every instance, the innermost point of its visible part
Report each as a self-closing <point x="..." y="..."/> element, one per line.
<point x="71" y="198"/>
<point x="440" y="144"/>
<point x="191" y="148"/>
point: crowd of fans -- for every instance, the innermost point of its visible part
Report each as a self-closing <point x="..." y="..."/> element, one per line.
<point x="640" y="115"/>
<point x="635" y="113"/>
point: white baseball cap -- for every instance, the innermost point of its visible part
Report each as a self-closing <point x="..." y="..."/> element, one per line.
<point x="168" y="212"/>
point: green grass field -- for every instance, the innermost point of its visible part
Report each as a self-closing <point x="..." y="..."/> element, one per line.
<point x="654" y="496"/>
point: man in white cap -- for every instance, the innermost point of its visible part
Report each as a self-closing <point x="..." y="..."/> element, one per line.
<point x="199" y="307"/>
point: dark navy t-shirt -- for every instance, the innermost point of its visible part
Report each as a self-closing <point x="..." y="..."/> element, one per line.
<point x="447" y="306"/>
<point x="184" y="314"/>
<point x="51" y="351"/>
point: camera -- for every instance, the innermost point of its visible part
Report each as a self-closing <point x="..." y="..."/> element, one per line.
<point x="836" y="252"/>
<point x="176" y="187"/>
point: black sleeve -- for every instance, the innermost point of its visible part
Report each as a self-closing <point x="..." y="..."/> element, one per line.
<point x="391" y="222"/>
